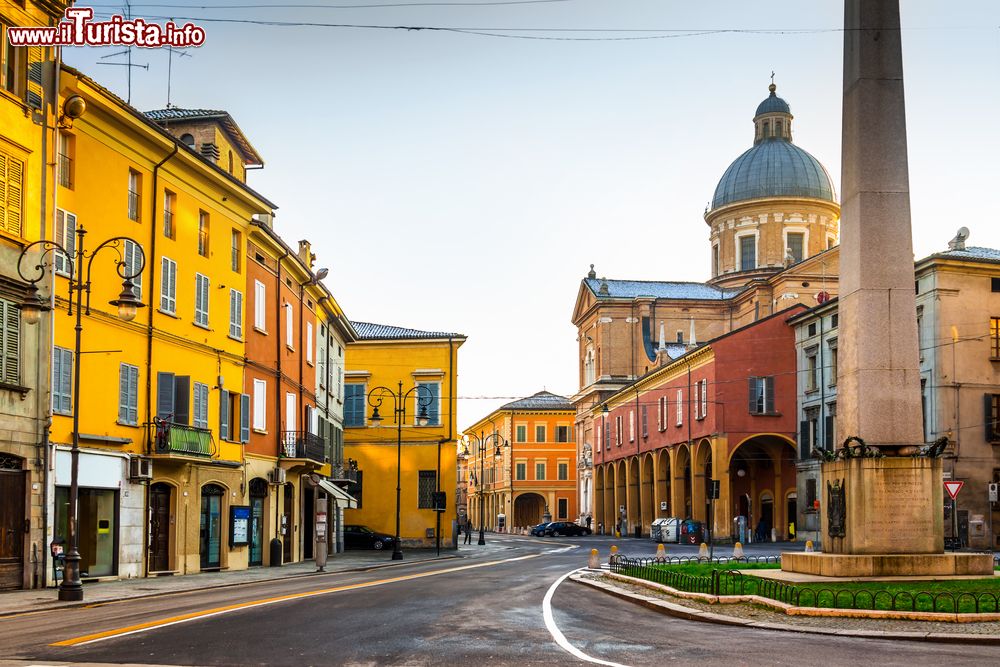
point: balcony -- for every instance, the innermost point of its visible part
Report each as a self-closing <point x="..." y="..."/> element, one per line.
<point x="183" y="440"/>
<point x="304" y="445"/>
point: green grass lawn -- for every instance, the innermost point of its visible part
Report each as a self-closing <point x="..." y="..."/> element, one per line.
<point x="900" y="595"/>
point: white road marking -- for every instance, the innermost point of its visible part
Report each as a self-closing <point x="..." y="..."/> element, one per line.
<point x="557" y="634"/>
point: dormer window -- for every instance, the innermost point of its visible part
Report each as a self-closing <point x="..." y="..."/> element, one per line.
<point x="187" y="140"/>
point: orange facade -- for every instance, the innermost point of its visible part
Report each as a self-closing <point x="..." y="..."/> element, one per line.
<point x="531" y="477"/>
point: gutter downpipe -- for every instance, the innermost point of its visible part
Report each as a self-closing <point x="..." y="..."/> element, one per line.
<point x="149" y="339"/>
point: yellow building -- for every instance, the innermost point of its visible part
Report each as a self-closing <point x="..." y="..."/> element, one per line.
<point x="161" y="397"/>
<point x="26" y="193"/>
<point x="424" y="363"/>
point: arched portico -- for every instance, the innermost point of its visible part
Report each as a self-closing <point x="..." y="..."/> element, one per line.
<point x="528" y="509"/>
<point x="761" y="475"/>
<point x="646" y="488"/>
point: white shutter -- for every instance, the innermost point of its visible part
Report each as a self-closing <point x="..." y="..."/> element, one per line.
<point x="260" y="405"/>
<point x="290" y="411"/>
<point x="680" y="407"/>
<point x="704" y="398"/>
<point x="168" y="286"/>
<point x="132" y="255"/>
<point x="309" y="342"/>
<point x="259" y="304"/>
<point x="201" y="299"/>
<point x="289" y="326"/>
<point x="65" y="235"/>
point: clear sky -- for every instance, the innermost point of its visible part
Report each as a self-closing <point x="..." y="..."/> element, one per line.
<point x="462" y="182"/>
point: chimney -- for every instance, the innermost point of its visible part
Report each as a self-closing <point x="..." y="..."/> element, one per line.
<point x="305" y="253"/>
<point x="210" y="152"/>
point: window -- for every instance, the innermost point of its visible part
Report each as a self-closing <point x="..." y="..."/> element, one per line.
<point x="259" y="305"/>
<point x="715" y="259"/>
<point x="62" y="381"/>
<point x="259" y="405"/>
<point x="540" y="471"/>
<point x="134" y="263"/>
<point x="796" y="246"/>
<point x="701" y="399"/>
<point x="65" y="235"/>
<point x="619" y="430"/>
<point x="562" y="433"/>
<point x="540" y="433"/>
<point x="645" y="423"/>
<point x="14" y="72"/>
<point x="563" y="472"/>
<point x="309" y="343"/>
<point x="173" y="397"/>
<point x="354" y="405"/>
<point x="704" y="398"/>
<point x="748" y="252"/>
<point x="426" y="486"/>
<point x="521" y="471"/>
<point x="200" y="405"/>
<point x="834" y="320"/>
<point x="833" y="363"/>
<point x="235" y="313"/>
<point x="201" y="300"/>
<point x="236" y="251"/>
<point x="245" y="417"/>
<point x="134" y="188"/>
<point x="808" y="433"/>
<point x="169" y="202"/>
<point x="128" y="395"/>
<point x="188" y="140"/>
<point x="811" y="496"/>
<point x="430" y="399"/>
<point x="64" y="160"/>
<point x="12" y="193"/>
<point x="697" y="400"/>
<point x="289" y="326"/>
<point x="631" y="425"/>
<point x="761" y="395"/>
<point x="168" y="285"/>
<point x="600" y="438"/>
<point x="992" y="417"/>
<point x="203" y="233"/>
<point x="812" y="383"/>
<point x="995" y="284"/>
<point x="661" y="413"/>
<point x="563" y="505"/>
<point x="10" y="343"/>
<point x="811" y="329"/>
<point x="225" y="411"/>
<point x="521" y="433"/>
<point x="607" y="435"/>
<point x="680" y="336"/>
<point x="995" y="338"/>
<point x="680" y="407"/>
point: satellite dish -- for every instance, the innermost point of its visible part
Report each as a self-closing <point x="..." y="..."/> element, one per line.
<point x="963" y="233"/>
<point x="958" y="243"/>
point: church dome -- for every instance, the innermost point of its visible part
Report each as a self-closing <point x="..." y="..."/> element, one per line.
<point x="774" y="166"/>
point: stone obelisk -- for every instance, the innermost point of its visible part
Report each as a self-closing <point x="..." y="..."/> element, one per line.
<point x="882" y="514"/>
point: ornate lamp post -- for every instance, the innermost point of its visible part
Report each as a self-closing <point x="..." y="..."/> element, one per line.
<point x="375" y="397"/>
<point x="482" y="442"/>
<point x="71" y="588"/>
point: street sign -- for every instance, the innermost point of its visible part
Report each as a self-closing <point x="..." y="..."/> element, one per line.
<point x="953" y="488"/>
<point x="993" y="492"/>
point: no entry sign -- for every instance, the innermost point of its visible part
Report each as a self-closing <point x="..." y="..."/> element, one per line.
<point x="953" y="488"/>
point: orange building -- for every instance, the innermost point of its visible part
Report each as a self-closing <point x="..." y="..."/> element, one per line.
<point x="531" y="476"/>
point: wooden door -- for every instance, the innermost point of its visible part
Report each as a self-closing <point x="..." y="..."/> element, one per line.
<point x="287" y="524"/>
<point x="11" y="523"/>
<point x="159" y="527"/>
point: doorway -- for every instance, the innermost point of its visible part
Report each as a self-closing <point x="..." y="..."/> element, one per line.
<point x="258" y="492"/>
<point x="12" y="522"/>
<point x="97" y="529"/>
<point x="308" y="519"/>
<point x="792" y="515"/>
<point x="159" y="527"/>
<point x="766" y="517"/>
<point x="211" y="526"/>
<point x="286" y="524"/>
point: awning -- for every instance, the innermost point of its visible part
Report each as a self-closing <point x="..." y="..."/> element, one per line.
<point x="341" y="497"/>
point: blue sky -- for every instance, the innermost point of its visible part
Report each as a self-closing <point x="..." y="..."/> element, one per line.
<point x="465" y="183"/>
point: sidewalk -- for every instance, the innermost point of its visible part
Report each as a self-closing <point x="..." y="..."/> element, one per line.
<point x="16" y="602"/>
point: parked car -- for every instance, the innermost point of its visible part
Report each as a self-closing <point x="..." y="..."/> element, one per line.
<point x="539" y="530"/>
<point x="557" y="528"/>
<point x="363" y="537"/>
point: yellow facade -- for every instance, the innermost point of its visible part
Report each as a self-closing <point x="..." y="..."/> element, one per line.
<point x="165" y="387"/>
<point x="26" y="152"/>
<point x="385" y="357"/>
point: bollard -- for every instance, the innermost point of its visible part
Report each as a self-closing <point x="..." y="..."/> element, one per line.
<point x="703" y="552"/>
<point x="595" y="560"/>
<point x="809" y="546"/>
<point x="737" y="550"/>
<point x="661" y="553"/>
<point x="614" y="552"/>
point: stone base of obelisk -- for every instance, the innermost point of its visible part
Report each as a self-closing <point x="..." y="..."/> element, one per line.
<point x="893" y="523"/>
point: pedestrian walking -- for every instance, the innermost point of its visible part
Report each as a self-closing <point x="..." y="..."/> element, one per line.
<point x="468" y="531"/>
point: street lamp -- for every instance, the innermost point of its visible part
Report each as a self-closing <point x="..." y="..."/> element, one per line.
<point x="482" y="441"/>
<point x="71" y="588"/>
<point x="375" y="397"/>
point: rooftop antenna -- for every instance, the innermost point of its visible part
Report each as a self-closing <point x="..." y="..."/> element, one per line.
<point x="181" y="53"/>
<point x="127" y="10"/>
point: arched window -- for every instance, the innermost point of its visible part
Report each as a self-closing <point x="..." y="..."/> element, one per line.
<point x="211" y="526"/>
<point x="588" y="367"/>
<point x="188" y="140"/>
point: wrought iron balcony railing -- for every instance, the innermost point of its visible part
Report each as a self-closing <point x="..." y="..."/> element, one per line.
<point x="304" y="445"/>
<point x="183" y="439"/>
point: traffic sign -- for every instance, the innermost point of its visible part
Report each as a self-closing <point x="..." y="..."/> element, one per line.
<point x="953" y="488"/>
<point x="993" y="492"/>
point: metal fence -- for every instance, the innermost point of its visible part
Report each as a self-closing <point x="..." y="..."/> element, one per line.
<point x="732" y="582"/>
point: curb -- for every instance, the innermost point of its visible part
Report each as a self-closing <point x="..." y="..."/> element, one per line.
<point x="59" y="606"/>
<point x="687" y="613"/>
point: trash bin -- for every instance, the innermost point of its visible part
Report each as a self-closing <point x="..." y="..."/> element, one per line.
<point x="656" y="530"/>
<point x="670" y="530"/>
<point x="692" y="532"/>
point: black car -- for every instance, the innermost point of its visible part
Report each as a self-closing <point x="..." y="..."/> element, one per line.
<point x="557" y="528"/>
<point x="539" y="530"/>
<point x="363" y="537"/>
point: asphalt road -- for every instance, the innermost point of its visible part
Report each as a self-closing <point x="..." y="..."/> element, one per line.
<point x="483" y="608"/>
